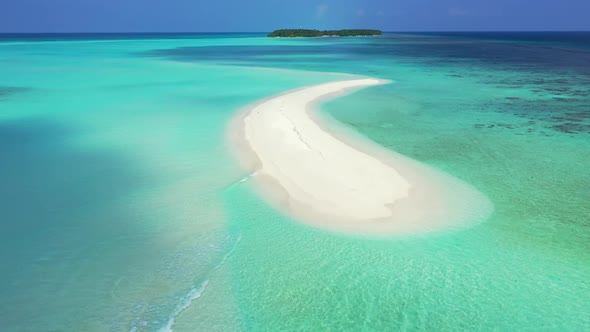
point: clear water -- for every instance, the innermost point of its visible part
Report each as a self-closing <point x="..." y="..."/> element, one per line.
<point x="122" y="209"/>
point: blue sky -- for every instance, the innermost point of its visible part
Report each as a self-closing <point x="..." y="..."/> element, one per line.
<point x="267" y="15"/>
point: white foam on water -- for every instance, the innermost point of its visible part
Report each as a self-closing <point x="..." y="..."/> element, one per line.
<point x="185" y="302"/>
<point x="196" y="292"/>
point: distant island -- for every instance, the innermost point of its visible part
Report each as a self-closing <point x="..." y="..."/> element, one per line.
<point x="325" y="33"/>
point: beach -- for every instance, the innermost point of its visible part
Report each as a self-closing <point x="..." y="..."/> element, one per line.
<point x="333" y="180"/>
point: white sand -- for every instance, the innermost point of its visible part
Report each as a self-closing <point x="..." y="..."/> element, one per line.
<point x="332" y="180"/>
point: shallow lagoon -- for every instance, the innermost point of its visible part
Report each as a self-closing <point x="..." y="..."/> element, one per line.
<point x="122" y="208"/>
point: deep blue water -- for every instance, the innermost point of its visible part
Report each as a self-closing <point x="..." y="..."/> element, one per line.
<point x="521" y="50"/>
<point x="574" y="38"/>
<point x="554" y="66"/>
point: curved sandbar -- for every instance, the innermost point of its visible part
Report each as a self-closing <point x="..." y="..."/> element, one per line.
<point x="339" y="182"/>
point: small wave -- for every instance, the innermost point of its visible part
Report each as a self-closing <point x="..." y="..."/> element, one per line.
<point x="229" y="253"/>
<point x="185" y="302"/>
<point x="240" y="181"/>
<point x="196" y="292"/>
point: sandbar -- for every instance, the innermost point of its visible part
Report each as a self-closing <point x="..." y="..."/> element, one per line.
<point x="327" y="176"/>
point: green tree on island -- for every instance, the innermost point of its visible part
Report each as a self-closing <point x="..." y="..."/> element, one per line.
<point x="324" y="33"/>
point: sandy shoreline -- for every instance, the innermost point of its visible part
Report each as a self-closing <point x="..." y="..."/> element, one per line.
<point x="326" y="176"/>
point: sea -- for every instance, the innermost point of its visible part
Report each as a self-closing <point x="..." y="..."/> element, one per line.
<point x="122" y="207"/>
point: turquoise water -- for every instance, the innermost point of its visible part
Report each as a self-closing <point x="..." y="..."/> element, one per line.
<point x="122" y="209"/>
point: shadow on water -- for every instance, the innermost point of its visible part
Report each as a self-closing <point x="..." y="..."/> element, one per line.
<point x="6" y="91"/>
<point x="59" y="211"/>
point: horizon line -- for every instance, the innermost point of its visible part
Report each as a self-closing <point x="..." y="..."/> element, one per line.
<point x="263" y="32"/>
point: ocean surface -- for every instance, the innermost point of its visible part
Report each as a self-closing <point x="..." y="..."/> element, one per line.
<point x="123" y="209"/>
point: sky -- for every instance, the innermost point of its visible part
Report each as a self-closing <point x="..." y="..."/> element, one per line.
<point x="268" y="15"/>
